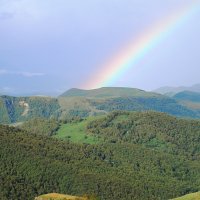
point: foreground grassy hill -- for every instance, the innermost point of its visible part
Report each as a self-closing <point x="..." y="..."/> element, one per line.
<point x="193" y="196"/>
<point x="55" y="196"/>
<point x="162" y="163"/>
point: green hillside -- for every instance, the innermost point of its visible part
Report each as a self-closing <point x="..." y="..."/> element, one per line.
<point x="154" y="130"/>
<point x="84" y="103"/>
<point x="79" y="106"/>
<point x="188" y="96"/>
<point x="16" y="109"/>
<point x="5" y="118"/>
<point x="140" y="156"/>
<point x="189" y="99"/>
<point x="160" y="104"/>
<point x="41" y="126"/>
<point x="193" y="196"/>
<point x="195" y="106"/>
<point x="76" y="131"/>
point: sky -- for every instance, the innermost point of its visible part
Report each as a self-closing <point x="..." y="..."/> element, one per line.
<point x="50" y="46"/>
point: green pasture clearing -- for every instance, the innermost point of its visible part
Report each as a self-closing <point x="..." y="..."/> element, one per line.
<point x="76" y="132"/>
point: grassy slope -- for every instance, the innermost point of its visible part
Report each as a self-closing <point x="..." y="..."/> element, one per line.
<point x="76" y="132"/>
<point x="78" y="106"/>
<point x="56" y="196"/>
<point x="193" y="196"/>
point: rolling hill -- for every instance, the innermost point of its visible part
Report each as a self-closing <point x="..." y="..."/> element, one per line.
<point x="188" y="96"/>
<point x="103" y="100"/>
<point x="151" y="156"/>
<point x="108" y="92"/>
<point x="84" y="103"/>
<point x="189" y="99"/>
<point x="151" y="129"/>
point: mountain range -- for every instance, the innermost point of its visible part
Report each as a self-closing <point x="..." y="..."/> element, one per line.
<point x="83" y="103"/>
<point x="173" y="90"/>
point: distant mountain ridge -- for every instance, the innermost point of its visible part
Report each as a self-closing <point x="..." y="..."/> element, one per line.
<point x="108" y="99"/>
<point x="107" y="92"/>
<point x="84" y="103"/>
<point x="188" y="96"/>
<point x="173" y="90"/>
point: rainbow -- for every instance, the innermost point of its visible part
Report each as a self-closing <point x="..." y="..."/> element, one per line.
<point x="129" y="56"/>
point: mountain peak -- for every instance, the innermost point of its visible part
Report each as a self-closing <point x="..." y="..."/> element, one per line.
<point x="106" y="92"/>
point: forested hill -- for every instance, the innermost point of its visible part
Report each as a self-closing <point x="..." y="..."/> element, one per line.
<point x="152" y="129"/>
<point x="139" y="156"/>
<point x="188" y="96"/>
<point x="17" y="109"/>
<point x="83" y="103"/>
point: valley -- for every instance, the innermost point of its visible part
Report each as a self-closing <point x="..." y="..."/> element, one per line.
<point x="99" y="100"/>
<point x="135" y="155"/>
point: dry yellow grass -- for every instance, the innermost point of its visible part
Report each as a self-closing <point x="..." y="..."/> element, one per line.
<point x="56" y="196"/>
<point x="193" y="196"/>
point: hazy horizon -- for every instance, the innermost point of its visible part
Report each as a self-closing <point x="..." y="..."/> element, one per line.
<point x="48" y="47"/>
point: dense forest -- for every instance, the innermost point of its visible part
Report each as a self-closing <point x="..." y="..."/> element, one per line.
<point x="140" y="156"/>
<point x="17" y="109"/>
<point x="151" y="129"/>
<point x="188" y="96"/>
<point x="160" y="104"/>
<point x="41" y="126"/>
